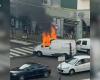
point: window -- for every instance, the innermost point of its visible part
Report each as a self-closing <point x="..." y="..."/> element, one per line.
<point x="84" y="43"/>
<point x="46" y="2"/>
<point x="56" y="3"/>
<point x="78" y="42"/>
<point x="24" y="66"/>
<point x="83" y="61"/>
<point x="36" y="66"/>
<point x="87" y="60"/>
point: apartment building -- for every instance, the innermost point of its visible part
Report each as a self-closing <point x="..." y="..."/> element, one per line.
<point x="71" y="16"/>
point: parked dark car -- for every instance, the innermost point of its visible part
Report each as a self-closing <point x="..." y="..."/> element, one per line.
<point x="29" y="71"/>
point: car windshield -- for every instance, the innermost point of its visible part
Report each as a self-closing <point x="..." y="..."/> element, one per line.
<point x="24" y="66"/>
<point x="72" y="61"/>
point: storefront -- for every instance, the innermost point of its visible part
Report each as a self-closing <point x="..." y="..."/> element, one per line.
<point x="69" y="29"/>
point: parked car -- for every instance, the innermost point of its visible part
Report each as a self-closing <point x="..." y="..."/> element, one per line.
<point x="76" y="64"/>
<point x="83" y="45"/>
<point x="29" y="70"/>
<point x="57" y="47"/>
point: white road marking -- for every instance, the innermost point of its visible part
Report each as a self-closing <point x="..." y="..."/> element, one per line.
<point x="22" y="51"/>
<point x="27" y="49"/>
<point x="14" y="54"/>
<point x="20" y="42"/>
<point x="13" y="50"/>
<point x="19" y="49"/>
<point x="31" y="47"/>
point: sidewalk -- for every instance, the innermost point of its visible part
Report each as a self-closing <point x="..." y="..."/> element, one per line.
<point x="21" y="42"/>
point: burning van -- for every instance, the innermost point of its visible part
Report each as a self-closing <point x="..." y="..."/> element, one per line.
<point x="56" y="48"/>
<point x="51" y="46"/>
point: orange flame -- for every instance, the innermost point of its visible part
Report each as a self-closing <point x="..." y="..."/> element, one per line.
<point x="48" y="37"/>
<point x="53" y="32"/>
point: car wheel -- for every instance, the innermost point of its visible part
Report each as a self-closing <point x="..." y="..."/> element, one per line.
<point x="46" y="74"/>
<point x="39" y="53"/>
<point x="21" y="78"/>
<point x="72" y="71"/>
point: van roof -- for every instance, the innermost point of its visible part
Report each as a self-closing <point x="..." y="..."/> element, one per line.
<point x="84" y="39"/>
<point x="63" y="40"/>
<point x="82" y="56"/>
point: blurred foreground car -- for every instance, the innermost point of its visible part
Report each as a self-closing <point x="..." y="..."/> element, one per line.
<point x="29" y="71"/>
<point x="75" y="64"/>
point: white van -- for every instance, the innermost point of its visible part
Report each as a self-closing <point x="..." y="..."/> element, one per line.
<point x="83" y="45"/>
<point x="57" y="48"/>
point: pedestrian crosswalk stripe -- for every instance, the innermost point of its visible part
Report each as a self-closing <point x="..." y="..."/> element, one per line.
<point x="19" y="49"/>
<point x="27" y="49"/>
<point x="22" y="51"/>
<point x="31" y="47"/>
<point x="14" y="54"/>
<point x="17" y="52"/>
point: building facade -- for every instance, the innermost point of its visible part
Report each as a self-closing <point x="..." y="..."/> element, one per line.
<point x="24" y="17"/>
<point x="71" y="16"/>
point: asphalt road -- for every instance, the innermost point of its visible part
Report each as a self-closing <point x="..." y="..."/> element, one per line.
<point x="51" y="62"/>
